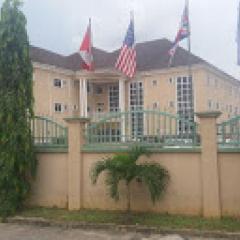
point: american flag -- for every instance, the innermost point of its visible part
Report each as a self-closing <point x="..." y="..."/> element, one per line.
<point x="126" y="62"/>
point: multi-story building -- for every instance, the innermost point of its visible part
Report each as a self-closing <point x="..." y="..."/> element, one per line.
<point x="63" y="89"/>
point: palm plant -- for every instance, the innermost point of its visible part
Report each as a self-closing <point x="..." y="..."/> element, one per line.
<point x="124" y="167"/>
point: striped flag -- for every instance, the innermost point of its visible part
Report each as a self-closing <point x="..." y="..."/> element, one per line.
<point x="126" y="61"/>
<point x="183" y="33"/>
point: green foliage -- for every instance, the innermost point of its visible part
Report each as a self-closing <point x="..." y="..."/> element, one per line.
<point x="125" y="167"/>
<point x="161" y="221"/>
<point x="17" y="159"/>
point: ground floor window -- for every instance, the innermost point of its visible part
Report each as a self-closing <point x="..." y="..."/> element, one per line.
<point x="185" y="108"/>
<point x="136" y="104"/>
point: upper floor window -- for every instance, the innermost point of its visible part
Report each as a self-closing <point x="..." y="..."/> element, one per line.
<point x="57" y="83"/>
<point x="58" y="107"/>
<point x="75" y="107"/>
<point x="114" y="98"/>
<point x="156" y="105"/>
<point x="210" y="104"/>
<point x="154" y="83"/>
<point x="208" y="80"/>
<point x="171" y="104"/>
<point x="99" y="90"/>
<point x="171" y="80"/>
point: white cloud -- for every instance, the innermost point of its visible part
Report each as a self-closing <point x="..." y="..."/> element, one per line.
<point x="59" y="25"/>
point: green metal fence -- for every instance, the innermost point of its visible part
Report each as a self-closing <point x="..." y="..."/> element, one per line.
<point x="147" y="127"/>
<point x="48" y="133"/>
<point x="229" y="133"/>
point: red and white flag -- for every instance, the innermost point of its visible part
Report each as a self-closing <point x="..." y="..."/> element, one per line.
<point x="86" y="50"/>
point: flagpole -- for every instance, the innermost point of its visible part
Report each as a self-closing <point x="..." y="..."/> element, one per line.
<point x="189" y="60"/>
<point x="189" y="41"/>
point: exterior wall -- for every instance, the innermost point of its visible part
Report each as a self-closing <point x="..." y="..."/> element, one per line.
<point x="229" y="165"/>
<point x="46" y="95"/>
<point x="182" y="197"/>
<point x="162" y="93"/>
<point x="50" y="188"/>
<point x="223" y="92"/>
<point x="209" y="85"/>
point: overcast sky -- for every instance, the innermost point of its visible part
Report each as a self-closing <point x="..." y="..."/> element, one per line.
<point x="59" y="25"/>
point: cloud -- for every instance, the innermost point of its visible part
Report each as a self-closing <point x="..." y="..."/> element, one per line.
<point x="59" y="25"/>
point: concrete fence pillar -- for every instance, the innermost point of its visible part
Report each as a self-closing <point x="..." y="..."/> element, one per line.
<point x="209" y="164"/>
<point x="75" y="161"/>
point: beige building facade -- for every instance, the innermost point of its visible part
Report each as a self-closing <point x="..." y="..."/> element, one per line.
<point x="62" y="89"/>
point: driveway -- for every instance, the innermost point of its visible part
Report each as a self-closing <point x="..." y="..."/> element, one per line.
<point x="27" y="232"/>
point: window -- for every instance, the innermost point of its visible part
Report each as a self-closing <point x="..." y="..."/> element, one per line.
<point x="75" y="107"/>
<point x="208" y="80"/>
<point x="155" y="105"/>
<point x="58" y="107"/>
<point x="217" y="106"/>
<point x="136" y="103"/>
<point x="171" y="104"/>
<point x="98" y="90"/>
<point x="185" y="108"/>
<point x="210" y="104"/>
<point x="100" y="107"/>
<point x="57" y="83"/>
<point x="76" y="83"/>
<point x="89" y="87"/>
<point x="236" y="110"/>
<point x="154" y="83"/>
<point x="114" y="98"/>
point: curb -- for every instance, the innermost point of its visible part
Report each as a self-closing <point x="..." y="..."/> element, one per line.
<point x="41" y="222"/>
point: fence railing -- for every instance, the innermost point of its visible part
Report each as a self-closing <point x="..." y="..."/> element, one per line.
<point x="147" y="127"/>
<point x="229" y="133"/>
<point x="46" y="132"/>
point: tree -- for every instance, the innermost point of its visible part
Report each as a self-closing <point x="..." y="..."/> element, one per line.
<point x="125" y="167"/>
<point x="17" y="159"/>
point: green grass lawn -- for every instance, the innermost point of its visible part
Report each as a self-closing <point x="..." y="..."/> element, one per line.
<point x="147" y="219"/>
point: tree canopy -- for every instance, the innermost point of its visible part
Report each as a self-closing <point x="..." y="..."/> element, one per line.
<point x="125" y="167"/>
<point x="17" y="159"/>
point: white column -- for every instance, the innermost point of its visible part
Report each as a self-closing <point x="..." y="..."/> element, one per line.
<point x="83" y="97"/>
<point x="122" y="107"/>
<point x="122" y="95"/>
<point x="80" y="98"/>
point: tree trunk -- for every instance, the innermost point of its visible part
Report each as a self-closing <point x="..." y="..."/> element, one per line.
<point x="128" y="198"/>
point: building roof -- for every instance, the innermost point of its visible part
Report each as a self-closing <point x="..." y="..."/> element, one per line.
<point x="151" y="55"/>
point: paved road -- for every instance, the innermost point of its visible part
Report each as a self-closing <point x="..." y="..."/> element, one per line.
<point x="25" y="232"/>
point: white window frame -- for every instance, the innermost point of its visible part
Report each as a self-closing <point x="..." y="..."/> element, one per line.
<point x="154" y="83"/>
<point x="184" y="102"/>
<point x="100" y="105"/>
<point x="62" y="83"/>
<point x="61" y="105"/>
<point x="113" y="109"/>
<point x="138" y="106"/>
